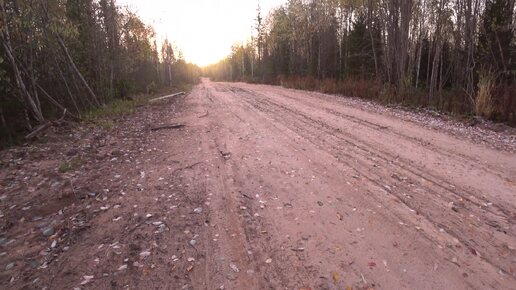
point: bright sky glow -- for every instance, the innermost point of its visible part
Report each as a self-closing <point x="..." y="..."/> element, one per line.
<point x="203" y="29"/>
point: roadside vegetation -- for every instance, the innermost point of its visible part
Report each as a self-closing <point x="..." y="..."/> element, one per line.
<point x="79" y="60"/>
<point x="454" y="56"/>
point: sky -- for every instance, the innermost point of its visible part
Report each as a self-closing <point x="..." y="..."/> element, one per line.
<point x="204" y="30"/>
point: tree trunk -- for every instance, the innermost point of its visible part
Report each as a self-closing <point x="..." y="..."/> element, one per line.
<point x="373" y="46"/>
<point x="36" y="110"/>
<point x="79" y="74"/>
<point x="435" y="70"/>
<point x="419" y="60"/>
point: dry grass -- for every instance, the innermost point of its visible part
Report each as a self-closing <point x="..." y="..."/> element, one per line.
<point x="495" y="102"/>
<point x="484" y="105"/>
<point x="351" y="87"/>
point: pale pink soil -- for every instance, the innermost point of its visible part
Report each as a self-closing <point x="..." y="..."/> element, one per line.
<point x="298" y="191"/>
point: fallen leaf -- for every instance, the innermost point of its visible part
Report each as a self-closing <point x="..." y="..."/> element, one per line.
<point x="87" y="279"/>
<point x="371" y="264"/>
<point x="234" y="268"/>
<point x="145" y="254"/>
<point x="335" y="276"/>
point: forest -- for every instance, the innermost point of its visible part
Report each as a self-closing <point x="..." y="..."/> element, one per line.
<point x="457" y="56"/>
<point x="65" y="57"/>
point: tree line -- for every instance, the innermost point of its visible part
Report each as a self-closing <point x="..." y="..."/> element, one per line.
<point x="67" y="56"/>
<point x="452" y="55"/>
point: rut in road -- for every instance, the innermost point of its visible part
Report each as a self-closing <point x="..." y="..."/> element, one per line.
<point x="440" y="188"/>
<point x="328" y="196"/>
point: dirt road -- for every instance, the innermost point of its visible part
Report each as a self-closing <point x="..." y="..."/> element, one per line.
<point x="270" y="188"/>
<point x="334" y="196"/>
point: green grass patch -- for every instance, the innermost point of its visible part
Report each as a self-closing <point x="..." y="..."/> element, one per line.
<point x="114" y="109"/>
<point x="70" y="165"/>
<point x="117" y="108"/>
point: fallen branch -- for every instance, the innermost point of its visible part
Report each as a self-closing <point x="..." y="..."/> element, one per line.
<point x="166" y="97"/>
<point x="186" y="167"/>
<point x="53" y="101"/>
<point x="38" y="130"/>
<point x="169" y="126"/>
<point x="45" y="126"/>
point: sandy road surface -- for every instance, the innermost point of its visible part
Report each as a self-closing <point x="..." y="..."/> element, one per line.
<point x="265" y="188"/>
<point x="313" y="193"/>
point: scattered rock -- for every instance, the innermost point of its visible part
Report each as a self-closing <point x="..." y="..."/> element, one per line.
<point x="225" y="155"/>
<point x="48" y="231"/>
<point x="161" y="228"/>
<point x="9" y="266"/>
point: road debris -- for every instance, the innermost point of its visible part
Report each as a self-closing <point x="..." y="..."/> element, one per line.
<point x="234" y="268"/>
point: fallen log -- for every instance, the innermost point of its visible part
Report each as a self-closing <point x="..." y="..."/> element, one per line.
<point x="168" y="126"/>
<point x="166" y="97"/>
<point x="46" y="125"/>
<point x="38" y="130"/>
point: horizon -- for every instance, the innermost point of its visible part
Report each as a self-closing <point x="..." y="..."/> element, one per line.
<point x="202" y="42"/>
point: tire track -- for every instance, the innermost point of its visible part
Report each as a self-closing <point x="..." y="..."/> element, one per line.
<point x="306" y="123"/>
